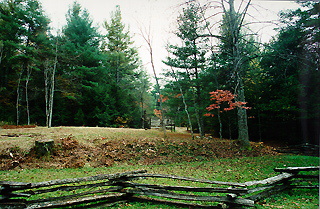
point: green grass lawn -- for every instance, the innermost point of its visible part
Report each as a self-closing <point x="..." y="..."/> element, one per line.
<point x="233" y="170"/>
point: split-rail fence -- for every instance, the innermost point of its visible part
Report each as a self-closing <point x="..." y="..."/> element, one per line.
<point x="107" y="189"/>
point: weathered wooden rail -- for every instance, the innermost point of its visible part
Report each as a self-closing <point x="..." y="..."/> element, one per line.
<point x="108" y="189"/>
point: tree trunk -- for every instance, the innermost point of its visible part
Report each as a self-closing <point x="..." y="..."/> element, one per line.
<point x="52" y="87"/>
<point x="235" y="24"/>
<point x="44" y="147"/>
<point x="187" y="112"/>
<point x="196" y="101"/>
<point x="18" y="98"/>
<point x="29" y="71"/>
<point x="49" y="79"/>
<point x="46" y="90"/>
<point x="184" y="103"/>
<point x="199" y="113"/>
<point x="220" y="124"/>
<point x="243" y="133"/>
<point x="198" y="97"/>
<point x="160" y="98"/>
<point x="142" y="113"/>
<point x="148" y="41"/>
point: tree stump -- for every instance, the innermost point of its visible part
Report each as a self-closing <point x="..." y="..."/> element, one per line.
<point x="43" y="147"/>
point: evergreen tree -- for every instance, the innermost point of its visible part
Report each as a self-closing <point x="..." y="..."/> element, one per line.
<point x="290" y="98"/>
<point x="10" y="31"/>
<point x="24" y="39"/>
<point x="79" y="69"/>
<point x="121" y="62"/>
<point x="190" y="58"/>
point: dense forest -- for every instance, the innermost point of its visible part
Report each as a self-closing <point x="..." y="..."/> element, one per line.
<point x="226" y="83"/>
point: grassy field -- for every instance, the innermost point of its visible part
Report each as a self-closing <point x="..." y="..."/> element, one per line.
<point x="239" y="168"/>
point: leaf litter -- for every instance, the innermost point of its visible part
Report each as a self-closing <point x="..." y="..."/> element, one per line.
<point x="70" y="152"/>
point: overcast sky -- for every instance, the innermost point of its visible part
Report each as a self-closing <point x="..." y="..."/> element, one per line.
<point x="159" y="15"/>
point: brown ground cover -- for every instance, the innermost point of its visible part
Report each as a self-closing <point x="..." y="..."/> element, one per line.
<point x="96" y="147"/>
<point x="16" y="127"/>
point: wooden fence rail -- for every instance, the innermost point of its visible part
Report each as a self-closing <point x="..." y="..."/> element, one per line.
<point x="108" y="189"/>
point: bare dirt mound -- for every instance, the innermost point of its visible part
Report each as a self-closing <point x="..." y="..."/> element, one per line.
<point x="72" y="152"/>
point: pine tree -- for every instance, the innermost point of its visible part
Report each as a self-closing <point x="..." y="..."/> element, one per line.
<point x="190" y="58"/>
<point x="290" y="96"/>
<point x="79" y="69"/>
<point x="24" y="37"/>
<point x="121" y="62"/>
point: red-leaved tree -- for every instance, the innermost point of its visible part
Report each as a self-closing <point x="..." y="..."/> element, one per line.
<point x="223" y="98"/>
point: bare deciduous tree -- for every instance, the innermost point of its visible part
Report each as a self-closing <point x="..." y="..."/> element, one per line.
<point x="49" y="79"/>
<point x="184" y="102"/>
<point x="147" y="38"/>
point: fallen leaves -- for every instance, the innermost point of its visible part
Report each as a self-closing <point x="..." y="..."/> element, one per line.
<point x="16" y="127"/>
<point x="70" y="153"/>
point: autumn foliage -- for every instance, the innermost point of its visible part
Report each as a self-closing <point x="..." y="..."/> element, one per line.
<point x="157" y="112"/>
<point x="226" y="98"/>
<point x="163" y="98"/>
